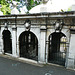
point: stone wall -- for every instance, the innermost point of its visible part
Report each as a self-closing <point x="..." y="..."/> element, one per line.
<point x="42" y="25"/>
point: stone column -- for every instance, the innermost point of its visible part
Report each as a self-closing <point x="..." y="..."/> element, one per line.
<point x="0" y="41"/>
<point x="18" y="55"/>
<point x="47" y="42"/>
<point x="14" y="44"/>
<point x="42" y="44"/>
<point x="71" y="55"/>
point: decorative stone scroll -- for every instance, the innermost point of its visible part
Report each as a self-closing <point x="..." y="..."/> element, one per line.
<point x="6" y="26"/>
<point x="58" y="26"/>
<point x="27" y="24"/>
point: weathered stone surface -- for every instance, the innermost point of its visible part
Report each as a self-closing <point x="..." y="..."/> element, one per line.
<point x="42" y="25"/>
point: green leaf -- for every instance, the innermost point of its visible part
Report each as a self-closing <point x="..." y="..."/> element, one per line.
<point x="6" y="9"/>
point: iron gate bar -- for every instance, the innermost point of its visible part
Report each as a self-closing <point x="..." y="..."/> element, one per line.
<point x="7" y="41"/>
<point x="55" y="55"/>
<point x="28" y="45"/>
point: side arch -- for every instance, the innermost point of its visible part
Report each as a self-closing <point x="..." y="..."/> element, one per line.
<point x="57" y="48"/>
<point x="28" y="45"/>
<point x="7" y="41"/>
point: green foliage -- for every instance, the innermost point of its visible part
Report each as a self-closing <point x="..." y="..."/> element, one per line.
<point x="32" y="3"/>
<point x="36" y="3"/>
<point x="6" y="9"/>
<point x="17" y="0"/>
<point x="69" y="9"/>
<point x="0" y="1"/>
<point x="3" y="2"/>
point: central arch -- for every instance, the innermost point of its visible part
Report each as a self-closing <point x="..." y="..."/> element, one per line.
<point x="57" y="48"/>
<point x="28" y="45"/>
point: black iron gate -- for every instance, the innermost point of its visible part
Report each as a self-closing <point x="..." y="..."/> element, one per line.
<point x="57" y="48"/>
<point x="28" y="44"/>
<point x="7" y="42"/>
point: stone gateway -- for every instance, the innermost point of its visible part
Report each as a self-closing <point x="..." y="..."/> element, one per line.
<point x="43" y="37"/>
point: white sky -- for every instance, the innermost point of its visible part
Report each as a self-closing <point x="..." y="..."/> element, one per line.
<point x="63" y="3"/>
<point x="56" y="6"/>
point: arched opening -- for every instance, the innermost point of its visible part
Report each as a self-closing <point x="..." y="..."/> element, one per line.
<point x="7" y="42"/>
<point x="57" y="48"/>
<point x="28" y="45"/>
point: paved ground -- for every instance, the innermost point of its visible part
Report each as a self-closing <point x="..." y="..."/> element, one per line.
<point x="13" y="67"/>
